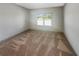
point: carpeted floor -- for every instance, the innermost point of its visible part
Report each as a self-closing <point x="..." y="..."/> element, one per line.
<point x="37" y="43"/>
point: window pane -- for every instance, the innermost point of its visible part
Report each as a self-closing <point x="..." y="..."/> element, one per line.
<point x="48" y="22"/>
<point x="40" y="21"/>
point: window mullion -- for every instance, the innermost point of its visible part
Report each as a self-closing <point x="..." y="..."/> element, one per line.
<point x="43" y="22"/>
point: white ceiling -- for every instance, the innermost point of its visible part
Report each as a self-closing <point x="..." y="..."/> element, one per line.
<point x="40" y="5"/>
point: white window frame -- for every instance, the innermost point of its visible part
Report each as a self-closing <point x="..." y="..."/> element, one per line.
<point x="42" y="22"/>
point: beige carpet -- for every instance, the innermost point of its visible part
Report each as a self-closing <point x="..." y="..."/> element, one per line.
<point x="36" y="43"/>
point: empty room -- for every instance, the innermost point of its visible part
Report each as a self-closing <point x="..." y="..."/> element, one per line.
<point x="39" y="29"/>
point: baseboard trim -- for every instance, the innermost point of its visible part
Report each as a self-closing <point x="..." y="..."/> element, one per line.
<point x="3" y="41"/>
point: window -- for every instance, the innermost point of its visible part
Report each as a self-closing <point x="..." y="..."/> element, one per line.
<point x="48" y="22"/>
<point x="44" y="20"/>
<point x="40" y="21"/>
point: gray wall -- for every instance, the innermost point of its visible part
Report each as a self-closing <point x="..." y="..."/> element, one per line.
<point x="13" y="20"/>
<point x="71" y="22"/>
<point x="57" y="21"/>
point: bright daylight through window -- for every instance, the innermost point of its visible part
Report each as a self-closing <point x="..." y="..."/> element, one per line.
<point x="44" y="20"/>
